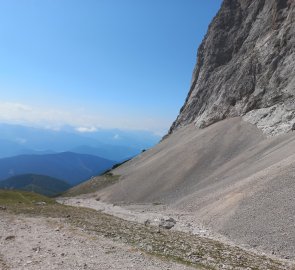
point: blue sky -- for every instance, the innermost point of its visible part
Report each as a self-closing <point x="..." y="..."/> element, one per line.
<point x="99" y="63"/>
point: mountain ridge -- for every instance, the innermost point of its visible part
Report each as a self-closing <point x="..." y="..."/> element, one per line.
<point x="41" y="184"/>
<point x="67" y="166"/>
<point x="110" y="144"/>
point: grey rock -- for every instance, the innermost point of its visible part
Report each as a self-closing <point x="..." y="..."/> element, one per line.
<point x="167" y="223"/>
<point x="245" y="67"/>
<point x="147" y="222"/>
<point x="40" y="203"/>
<point x="10" y="237"/>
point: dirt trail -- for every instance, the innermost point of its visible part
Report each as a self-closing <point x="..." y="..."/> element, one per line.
<point x="140" y="213"/>
<point x="47" y="243"/>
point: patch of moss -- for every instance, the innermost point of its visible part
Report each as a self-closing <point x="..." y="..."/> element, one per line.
<point x="12" y="197"/>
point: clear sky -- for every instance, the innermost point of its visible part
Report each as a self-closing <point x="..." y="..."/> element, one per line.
<point x="99" y="63"/>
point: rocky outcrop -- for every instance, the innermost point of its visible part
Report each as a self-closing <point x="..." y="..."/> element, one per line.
<point x="245" y="67"/>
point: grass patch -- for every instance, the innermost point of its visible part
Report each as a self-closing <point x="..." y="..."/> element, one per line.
<point x="9" y="197"/>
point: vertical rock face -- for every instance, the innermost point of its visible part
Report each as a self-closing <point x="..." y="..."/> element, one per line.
<point x="245" y="67"/>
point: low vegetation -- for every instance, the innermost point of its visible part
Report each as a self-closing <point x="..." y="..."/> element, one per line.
<point x="19" y="198"/>
<point x="94" y="184"/>
<point x="203" y="253"/>
<point x="118" y="165"/>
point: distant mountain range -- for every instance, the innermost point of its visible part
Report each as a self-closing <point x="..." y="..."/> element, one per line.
<point x="110" y="144"/>
<point x="112" y="152"/>
<point x="70" y="154"/>
<point x="41" y="184"/>
<point x="11" y="148"/>
<point x="70" y="167"/>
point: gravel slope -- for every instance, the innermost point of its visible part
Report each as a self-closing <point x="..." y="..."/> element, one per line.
<point x="232" y="178"/>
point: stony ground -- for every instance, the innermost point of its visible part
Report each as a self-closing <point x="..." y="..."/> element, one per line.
<point x="34" y="243"/>
<point x="64" y="237"/>
<point x="3" y="265"/>
<point x="141" y="213"/>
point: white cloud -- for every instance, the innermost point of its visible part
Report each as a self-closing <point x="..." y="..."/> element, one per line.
<point x="83" y="120"/>
<point x="86" y="129"/>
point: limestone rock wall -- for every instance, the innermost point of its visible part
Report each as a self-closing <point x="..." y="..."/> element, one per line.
<point x="245" y="67"/>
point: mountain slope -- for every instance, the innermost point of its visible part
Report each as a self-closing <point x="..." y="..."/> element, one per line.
<point x="41" y="184"/>
<point x="231" y="177"/>
<point x="70" y="167"/>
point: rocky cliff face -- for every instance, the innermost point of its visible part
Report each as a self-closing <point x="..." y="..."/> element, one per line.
<point x="246" y="67"/>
